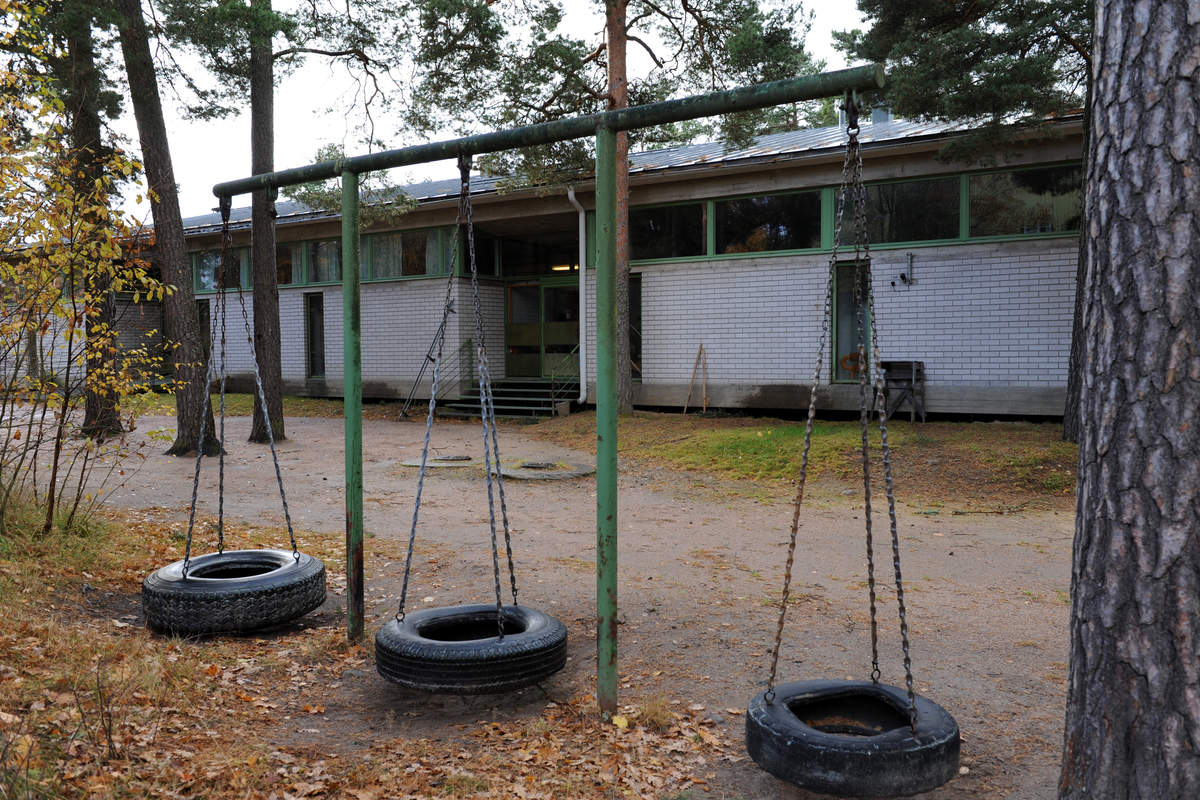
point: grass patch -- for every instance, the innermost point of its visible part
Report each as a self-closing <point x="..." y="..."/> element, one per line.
<point x="985" y="465"/>
<point x="242" y="405"/>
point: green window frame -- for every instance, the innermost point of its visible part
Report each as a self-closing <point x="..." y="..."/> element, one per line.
<point x="1046" y="197"/>
<point x="435" y="253"/>
<point x="958" y="231"/>
<point x="669" y="223"/>
<point x="729" y="213"/>
<point x="204" y="260"/>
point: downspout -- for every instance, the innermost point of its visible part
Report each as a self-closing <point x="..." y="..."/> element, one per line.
<point x="583" y="387"/>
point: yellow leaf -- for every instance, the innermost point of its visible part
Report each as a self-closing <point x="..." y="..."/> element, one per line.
<point x="620" y="721"/>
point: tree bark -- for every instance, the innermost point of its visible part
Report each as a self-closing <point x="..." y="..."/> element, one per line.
<point x="81" y="96"/>
<point x="618" y="97"/>
<point x="262" y="237"/>
<point x="181" y="323"/>
<point x="1071" y="410"/>
<point x="1133" y="698"/>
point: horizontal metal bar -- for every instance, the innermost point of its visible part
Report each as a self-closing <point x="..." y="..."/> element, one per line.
<point x="763" y="95"/>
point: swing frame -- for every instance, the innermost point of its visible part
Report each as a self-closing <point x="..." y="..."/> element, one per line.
<point x="604" y="126"/>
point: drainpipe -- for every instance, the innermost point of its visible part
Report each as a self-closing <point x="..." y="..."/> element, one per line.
<point x="583" y="387"/>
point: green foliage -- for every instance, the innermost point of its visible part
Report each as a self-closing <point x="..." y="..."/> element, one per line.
<point x="220" y="33"/>
<point x="996" y="63"/>
<point x="63" y="253"/>
<point x="383" y="202"/>
<point x="494" y="64"/>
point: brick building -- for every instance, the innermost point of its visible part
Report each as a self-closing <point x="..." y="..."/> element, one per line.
<point x="973" y="269"/>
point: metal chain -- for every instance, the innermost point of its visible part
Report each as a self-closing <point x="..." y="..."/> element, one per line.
<point x="218" y="321"/>
<point x="208" y="377"/>
<point x="889" y="484"/>
<point x="262" y="401"/>
<point x="209" y="374"/>
<point x="221" y="287"/>
<point x="487" y="410"/>
<point x="826" y="322"/>
<point x="862" y="277"/>
<point x="486" y="392"/>
<point x="447" y="309"/>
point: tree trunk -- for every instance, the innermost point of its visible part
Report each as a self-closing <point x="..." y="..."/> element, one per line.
<point x="618" y="97"/>
<point x="81" y="96"/>
<point x="181" y="323"/>
<point x="262" y="237"/>
<point x="1071" y="410"/>
<point x="1133" y="698"/>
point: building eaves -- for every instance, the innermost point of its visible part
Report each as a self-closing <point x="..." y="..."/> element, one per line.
<point x="769" y="148"/>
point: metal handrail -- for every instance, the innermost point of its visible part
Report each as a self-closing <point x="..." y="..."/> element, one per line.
<point x="555" y="377"/>
<point x="451" y="372"/>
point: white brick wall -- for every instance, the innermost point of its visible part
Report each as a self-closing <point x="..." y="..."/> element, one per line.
<point x="986" y="314"/>
<point x="399" y="321"/>
<point x="978" y="315"/>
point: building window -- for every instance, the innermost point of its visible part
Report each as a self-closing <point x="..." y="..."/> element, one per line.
<point x="910" y="211"/>
<point x="325" y="261"/>
<point x="1047" y="200"/>
<point x="314" y="334"/>
<point x="205" y="317"/>
<point x="769" y="222"/>
<point x="403" y="254"/>
<point x="288" y="258"/>
<point x="850" y="301"/>
<point x="667" y="231"/>
<point x="206" y="267"/>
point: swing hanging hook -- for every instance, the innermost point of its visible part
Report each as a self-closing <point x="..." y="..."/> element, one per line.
<point x="850" y="106"/>
<point x="226" y="206"/>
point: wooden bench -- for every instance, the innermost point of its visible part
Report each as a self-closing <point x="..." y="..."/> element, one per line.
<point x="904" y="381"/>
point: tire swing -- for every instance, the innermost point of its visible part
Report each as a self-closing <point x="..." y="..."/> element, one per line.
<point x="480" y="648"/>
<point x="843" y="737"/>
<point x="231" y="591"/>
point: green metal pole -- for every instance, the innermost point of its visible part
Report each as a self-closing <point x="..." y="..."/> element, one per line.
<point x="606" y="420"/>
<point x="352" y="408"/>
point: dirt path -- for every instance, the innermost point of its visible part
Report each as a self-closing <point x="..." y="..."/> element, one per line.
<point x="699" y="568"/>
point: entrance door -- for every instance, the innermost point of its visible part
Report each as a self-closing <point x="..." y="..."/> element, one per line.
<point x="542" y="330"/>
<point x="560" y="331"/>
<point x="849" y="300"/>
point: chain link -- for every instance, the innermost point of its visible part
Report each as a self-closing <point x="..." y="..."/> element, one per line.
<point x="217" y="322"/>
<point x="889" y="484"/>
<point x="852" y="186"/>
<point x="440" y="340"/>
<point x="491" y="445"/>
<point x="862" y="280"/>
<point x="826" y="322"/>
<point x="262" y="401"/>
<point x="487" y="410"/>
<point x="221" y="287"/>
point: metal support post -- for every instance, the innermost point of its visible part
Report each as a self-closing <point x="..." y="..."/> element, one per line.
<point x="352" y="390"/>
<point x="606" y="420"/>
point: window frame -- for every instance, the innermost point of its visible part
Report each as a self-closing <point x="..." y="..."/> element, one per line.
<point x="821" y="221"/>
<point x="367" y="252"/>
<point x="244" y="283"/>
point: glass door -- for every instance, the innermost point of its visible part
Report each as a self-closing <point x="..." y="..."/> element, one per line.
<point x="849" y="300"/>
<point x="542" y="330"/>
<point x="523" y="331"/>
<point x="560" y="331"/>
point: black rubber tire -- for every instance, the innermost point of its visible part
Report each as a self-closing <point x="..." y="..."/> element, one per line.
<point x="534" y="650"/>
<point x="893" y="763"/>
<point x="202" y="605"/>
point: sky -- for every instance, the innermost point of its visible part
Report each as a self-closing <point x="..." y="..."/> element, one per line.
<point x="311" y="110"/>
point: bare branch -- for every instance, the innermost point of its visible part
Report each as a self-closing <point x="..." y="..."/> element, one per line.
<point x="645" y="47"/>
<point x="1073" y="42"/>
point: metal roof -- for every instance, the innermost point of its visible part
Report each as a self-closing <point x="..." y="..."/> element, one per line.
<point x="771" y="147"/>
